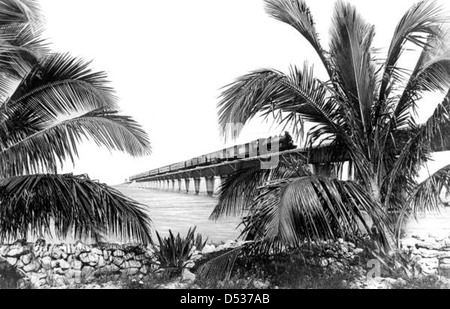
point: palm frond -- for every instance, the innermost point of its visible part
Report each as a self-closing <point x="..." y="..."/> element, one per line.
<point x="291" y="211"/>
<point x="57" y="86"/>
<point x="287" y="98"/>
<point x="298" y="15"/>
<point x="432" y="73"/>
<point x="426" y="196"/>
<point x="351" y="45"/>
<point x="416" y="146"/>
<point x="238" y="191"/>
<point x="219" y="268"/>
<point x="63" y="205"/>
<point x="419" y="22"/>
<point x="58" y="70"/>
<point x="19" y="11"/>
<point x="39" y="151"/>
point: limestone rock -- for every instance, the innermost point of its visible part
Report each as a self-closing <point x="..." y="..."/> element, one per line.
<point x="444" y="255"/>
<point x="101" y="262"/>
<point x="97" y="251"/>
<point x="37" y="279"/>
<point x="74" y="276"/>
<point x="3" y="250"/>
<point x="106" y="254"/>
<point x="81" y="248"/>
<point x="27" y="258"/>
<point x="57" y="281"/>
<point x="208" y="249"/>
<point x="118" y="261"/>
<point x="77" y="265"/>
<point x="140" y="257"/>
<point x="109" y="269"/>
<point x="430" y="245"/>
<point x="87" y="272"/>
<point x="119" y="253"/>
<point x="11" y="260"/>
<point x="144" y="270"/>
<point x="16" y="251"/>
<point x="89" y="258"/>
<point x="130" y="271"/>
<point x="33" y="266"/>
<point x="64" y="265"/>
<point x="187" y="276"/>
<point x="46" y="262"/>
<point x="129" y="256"/>
<point x="131" y="264"/>
<point x="189" y="264"/>
<point x="428" y="253"/>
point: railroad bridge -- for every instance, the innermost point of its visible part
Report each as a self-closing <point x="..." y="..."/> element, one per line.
<point x="210" y="176"/>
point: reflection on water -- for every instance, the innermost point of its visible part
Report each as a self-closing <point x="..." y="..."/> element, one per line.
<point x="178" y="212"/>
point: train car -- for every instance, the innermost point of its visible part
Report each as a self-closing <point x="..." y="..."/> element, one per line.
<point x="177" y="166"/>
<point x="164" y="170"/>
<point x="254" y="148"/>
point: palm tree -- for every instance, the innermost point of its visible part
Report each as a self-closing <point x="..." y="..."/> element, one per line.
<point x="364" y="113"/>
<point x="49" y="103"/>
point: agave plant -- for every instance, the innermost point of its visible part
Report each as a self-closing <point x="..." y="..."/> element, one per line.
<point x="364" y="113"/>
<point x="174" y="251"/>
<point x="49" y="104"/>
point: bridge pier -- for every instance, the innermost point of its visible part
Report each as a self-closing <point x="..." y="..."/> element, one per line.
<point x="167" y="184"/>
<point x="197" y="185"/>
<point x="179" y="185"/>
<point x="210" y="185"/>
<point x="187" y="183"/>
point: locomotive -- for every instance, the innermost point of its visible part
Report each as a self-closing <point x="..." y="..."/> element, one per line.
<point x="254" y="148"/>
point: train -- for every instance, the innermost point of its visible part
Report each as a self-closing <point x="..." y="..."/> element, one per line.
<point x="254" y="148"/>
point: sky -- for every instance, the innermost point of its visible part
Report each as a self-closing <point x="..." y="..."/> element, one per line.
<point x="168" y="61"/>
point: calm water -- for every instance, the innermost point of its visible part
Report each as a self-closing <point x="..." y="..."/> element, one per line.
<point x="179" y="211"/>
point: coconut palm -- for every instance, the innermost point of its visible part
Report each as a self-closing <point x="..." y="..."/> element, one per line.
<point x="363" y="113"/>
<point x="49" y="104"/>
